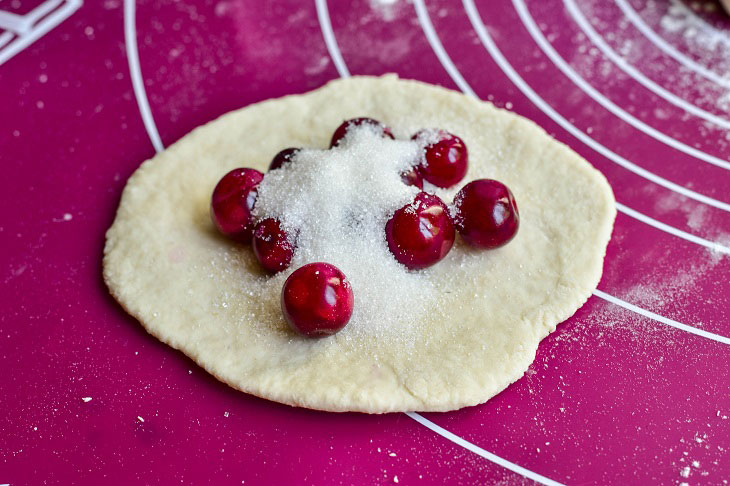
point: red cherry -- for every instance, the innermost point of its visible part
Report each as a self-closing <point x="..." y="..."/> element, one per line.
<point x="232" y="202"/>
<point x="486" y="213"/>
<point x="355" y="122"/>
<point x="446" y="159"/>
<point x="412" y="177"/>
<point x="272" y="246"/>
<point x="283" y="158"/>
<point x="317" y="300"/>
<point x="421" y="233"/>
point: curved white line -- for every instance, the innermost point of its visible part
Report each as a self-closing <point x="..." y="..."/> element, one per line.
<point x="588" y="29"/>
<point x="135" y="72"/>
<point x="41" y="11"/>
<point x="662" y="319"/>
<point x="548" y="49"/>
<point x="39" y="30"/>
<point x="507" y="68"/>
<point x="481" y="452"/>
<point x="669" y="49"/>
<point x="325" y="25"/>
<point x="425" y="20"/>
<point x="711" y="245"/>
<point x="14" y="22"/>
<point x="23" y="23"/>
<point x="4" y="39"/>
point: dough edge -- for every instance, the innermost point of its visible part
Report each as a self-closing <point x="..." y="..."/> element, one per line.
<point x="544" y="318"/>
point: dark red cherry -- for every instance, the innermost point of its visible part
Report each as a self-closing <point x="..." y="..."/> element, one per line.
<point x="486" y="213"/>
<point x="412" y="177"/>
<point x="283" y="158"/>
<point x="317" y="300"/>
<point x="272" y="245"/>
<point x="355" y="122"/>
<point x="421" y="233"/>
<point x="232" y="202"/>
<point x="446" y="157"/>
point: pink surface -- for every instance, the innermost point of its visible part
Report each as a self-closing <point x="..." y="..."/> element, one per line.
<point x="613" y="396"/>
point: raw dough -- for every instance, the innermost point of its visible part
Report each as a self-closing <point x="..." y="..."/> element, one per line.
<point x="165" y="263"/>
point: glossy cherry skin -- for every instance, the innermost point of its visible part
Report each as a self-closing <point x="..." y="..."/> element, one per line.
<point x="345" y="126"/>
<point x="412" y="177"/>
<point x="421" y="233"/>
<point x="232" y="202"/>
<point x="486" y="213"/>
<point x="272" y="245"/>
<point x="446" y="161"/>
<point x="282" y="158"/>
<point x="317" y="300"/>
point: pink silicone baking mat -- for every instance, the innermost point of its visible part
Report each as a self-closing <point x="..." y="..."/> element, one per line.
<point x="633" y="389"/>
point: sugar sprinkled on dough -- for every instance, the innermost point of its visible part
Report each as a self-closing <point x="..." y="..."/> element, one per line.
<point x="337" y="202"/>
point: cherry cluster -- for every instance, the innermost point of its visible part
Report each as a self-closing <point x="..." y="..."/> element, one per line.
<point x="317" y="299"/>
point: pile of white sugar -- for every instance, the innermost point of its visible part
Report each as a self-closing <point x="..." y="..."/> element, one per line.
<point x="337" y="202"/>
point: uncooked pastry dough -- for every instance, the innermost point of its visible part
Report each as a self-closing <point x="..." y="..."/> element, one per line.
<point x="165" y="263"/>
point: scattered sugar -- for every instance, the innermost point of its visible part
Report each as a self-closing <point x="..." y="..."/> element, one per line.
<point x="684" y="472"/>
<point x="337" y="202"/>
<point x="86" y="399"/>
<point x="682" y="20"/>
<point x="65" y="217"/>
<point x="704" y="42"/>
<point x="683" y="27"/>
<point x="387" y="9"/>
<point x="697" y="214"/>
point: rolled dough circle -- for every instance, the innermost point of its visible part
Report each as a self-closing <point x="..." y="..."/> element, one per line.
<point x="188" y="286"/>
